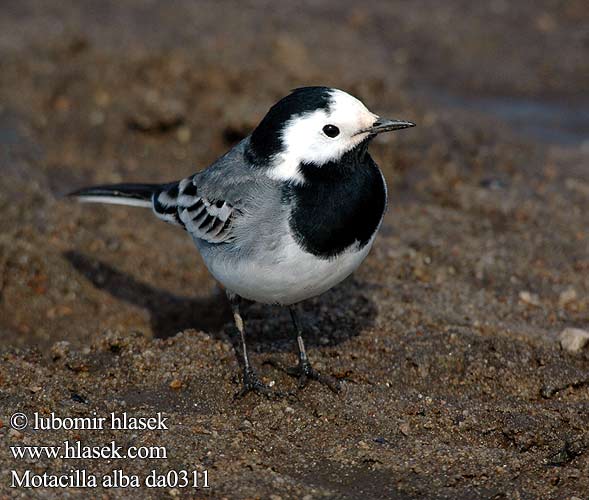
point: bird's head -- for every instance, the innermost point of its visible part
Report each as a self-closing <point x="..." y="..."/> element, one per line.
<point x="314" y="126"/>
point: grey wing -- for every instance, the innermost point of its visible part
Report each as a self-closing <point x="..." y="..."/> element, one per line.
<point x="209" y="219"/>
<point x="221" y="200"/>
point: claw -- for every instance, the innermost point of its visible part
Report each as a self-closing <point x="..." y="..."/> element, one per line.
<point x="251" y="383"/>
<point x="305" y="372"/>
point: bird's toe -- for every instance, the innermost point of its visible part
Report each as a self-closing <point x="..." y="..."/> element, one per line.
<point x="305" y="372"/>
<point x="252" y="383"/>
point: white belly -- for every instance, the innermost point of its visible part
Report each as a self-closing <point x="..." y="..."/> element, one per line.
<point x="285" y="275"/>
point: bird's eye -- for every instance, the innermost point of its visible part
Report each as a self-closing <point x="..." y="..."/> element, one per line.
<point x="331" y="131"/>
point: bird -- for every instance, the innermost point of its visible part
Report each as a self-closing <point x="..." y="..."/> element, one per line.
<point x="284" y="215"/>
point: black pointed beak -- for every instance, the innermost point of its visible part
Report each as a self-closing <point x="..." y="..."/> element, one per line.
<point x="385" y="125"/>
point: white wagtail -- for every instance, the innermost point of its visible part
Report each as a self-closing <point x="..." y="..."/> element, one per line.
<point x="287" y="213"/>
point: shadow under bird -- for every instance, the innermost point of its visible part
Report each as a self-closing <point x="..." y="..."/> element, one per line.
<point x="286" y="214"/>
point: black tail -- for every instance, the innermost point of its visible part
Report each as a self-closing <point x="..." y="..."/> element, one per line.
<point x="138" y="195"/>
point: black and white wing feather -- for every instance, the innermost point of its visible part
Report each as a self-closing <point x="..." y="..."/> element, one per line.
<point x="203" y="217"/>
<point x="210" y="204"/>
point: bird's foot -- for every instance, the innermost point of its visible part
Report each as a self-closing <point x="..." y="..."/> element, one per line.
<point x="251" y="383"/>
<point x="305" y="372"/>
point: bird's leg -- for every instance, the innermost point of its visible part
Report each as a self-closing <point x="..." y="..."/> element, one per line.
<point x="251" y="382"/>
<point x="303" y="370"/>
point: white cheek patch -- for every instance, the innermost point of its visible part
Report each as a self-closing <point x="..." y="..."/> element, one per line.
<point x="286" y="168"/>
<point x="304" y="141"/>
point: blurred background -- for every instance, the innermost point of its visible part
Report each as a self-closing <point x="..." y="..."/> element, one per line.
<point x="482" y="261"/>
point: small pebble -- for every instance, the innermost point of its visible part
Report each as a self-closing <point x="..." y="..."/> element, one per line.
<point x="530" y="299"/>
<point x="78" y="399"/>
<point x="176" y="384"/>
<point x="573" y="339"/>
<point x="405" y="429"/>
<point x="566" y="297"/>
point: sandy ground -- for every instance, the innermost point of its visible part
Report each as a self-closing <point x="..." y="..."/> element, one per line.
<point x="445" y="340"/>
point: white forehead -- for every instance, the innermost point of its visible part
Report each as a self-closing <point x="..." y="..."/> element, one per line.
<point x="347" y="109"/>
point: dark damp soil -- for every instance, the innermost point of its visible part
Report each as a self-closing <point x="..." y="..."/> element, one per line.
<point x="445" y="340"/>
